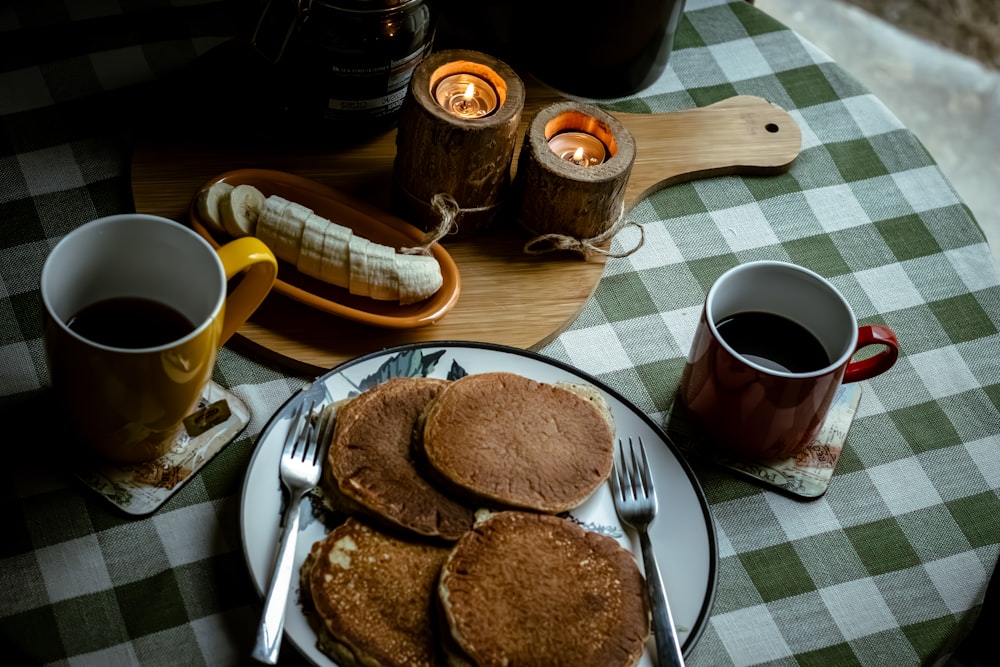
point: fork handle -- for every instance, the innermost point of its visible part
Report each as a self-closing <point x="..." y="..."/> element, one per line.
<point x="272" y="621"/>
<point x="668" y="646"/>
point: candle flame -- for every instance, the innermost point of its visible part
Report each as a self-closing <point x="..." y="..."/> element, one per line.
<point x="578" y="155"/>
<point x="470" y="92"/>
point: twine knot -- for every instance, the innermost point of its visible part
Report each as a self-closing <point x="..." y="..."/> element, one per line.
<point x="447" y="209"/>
<point x="593" y="246"/>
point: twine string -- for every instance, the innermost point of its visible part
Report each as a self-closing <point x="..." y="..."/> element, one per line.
<point x="552" y="242"/>
<point x="447" y="208"/>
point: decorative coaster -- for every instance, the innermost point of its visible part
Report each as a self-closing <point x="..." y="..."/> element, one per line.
<point x="141" y="488"/>
<point x="809" y="473"/>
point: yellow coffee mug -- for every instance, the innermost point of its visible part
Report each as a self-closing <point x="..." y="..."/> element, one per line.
<point x="136" y="309"/>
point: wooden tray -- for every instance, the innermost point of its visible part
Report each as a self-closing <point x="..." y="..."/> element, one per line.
<point x="507" y="297"/>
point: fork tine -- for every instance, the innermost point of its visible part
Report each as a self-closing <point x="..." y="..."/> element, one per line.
<point x="301" y="446"/>
<point x="633" y="470"/>
<point x="325" y="430"/>
<point x="308" y="436"/>
<point x="647" y="480"/>
<point x="641" y="482"/>
<point x="314" y="440"/>
<point x="294" y="428"/>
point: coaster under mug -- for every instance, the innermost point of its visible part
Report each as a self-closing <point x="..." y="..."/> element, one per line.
<point x="140" y="489"/>
<point x="806" y="475"/>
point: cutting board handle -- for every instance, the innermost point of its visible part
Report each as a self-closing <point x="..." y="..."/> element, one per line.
<point x="739" y="135"/>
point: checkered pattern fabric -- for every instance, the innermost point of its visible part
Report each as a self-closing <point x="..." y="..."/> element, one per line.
<point x="888" y="568"/>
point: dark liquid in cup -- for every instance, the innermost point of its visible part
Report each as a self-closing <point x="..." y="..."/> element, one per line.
<point x="130" y="322"/>
<point x="774" y="342"/>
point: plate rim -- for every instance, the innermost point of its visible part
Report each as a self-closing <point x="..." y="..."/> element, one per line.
<point x="704" y="614"/>
<point x="422" y="317"/>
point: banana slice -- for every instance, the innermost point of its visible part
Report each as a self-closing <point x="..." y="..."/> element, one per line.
<point x="275" y="206"/>
<point x="383" y="279"/>
<point x="336" y="264"/>
<point x="240" y="208"/>
<point x="209" y="204"/>
<point x="311" y="250"/>
<point x="419" y="277"/>
<point x="267" y="222"/>
<point x="358" y="262"/>
<point x="290" y="227"/>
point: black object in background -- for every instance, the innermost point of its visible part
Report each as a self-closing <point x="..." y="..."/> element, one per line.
<point x="588" y="48"/>
<point x="596" y="49"/>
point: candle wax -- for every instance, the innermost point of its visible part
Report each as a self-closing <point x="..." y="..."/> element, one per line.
<point x="580" y="148"/>
<point x="466" y="95"/>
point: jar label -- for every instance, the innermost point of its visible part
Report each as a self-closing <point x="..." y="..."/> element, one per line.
<point x="389" y="103"/>
<point x="375" y="90"/>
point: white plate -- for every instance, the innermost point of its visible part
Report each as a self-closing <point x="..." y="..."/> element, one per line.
<point x="683" y="535"/>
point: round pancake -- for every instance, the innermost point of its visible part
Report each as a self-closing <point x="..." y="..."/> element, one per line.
<point x="373" y="595"/>
<point x="371" y="460"/>
<point x="527" y="589"/>
<point x="509" y="440"/>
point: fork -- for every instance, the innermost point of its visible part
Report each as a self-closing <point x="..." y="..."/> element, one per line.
<point x="299" y="471"/>
<point x="635" y="503"/>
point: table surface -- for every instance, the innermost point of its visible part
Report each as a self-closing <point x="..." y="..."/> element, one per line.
<point x="890" y="566"/>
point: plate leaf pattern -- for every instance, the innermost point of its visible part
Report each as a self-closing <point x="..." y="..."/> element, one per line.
<point x="408" y="363"/>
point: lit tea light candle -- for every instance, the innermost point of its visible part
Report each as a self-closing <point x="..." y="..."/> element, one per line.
<point x="466" y="96"/>
<point x="580" y="148"/>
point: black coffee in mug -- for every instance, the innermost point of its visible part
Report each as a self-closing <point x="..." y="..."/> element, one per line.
<point x="130" y="322"/>
<point x="774" y="342"/>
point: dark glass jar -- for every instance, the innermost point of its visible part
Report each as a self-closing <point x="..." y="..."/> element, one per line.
<point x="344" y="65"/>
<point x="593" y="48"/>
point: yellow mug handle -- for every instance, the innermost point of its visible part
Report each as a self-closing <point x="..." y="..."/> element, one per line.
<point x="252" y="256"/>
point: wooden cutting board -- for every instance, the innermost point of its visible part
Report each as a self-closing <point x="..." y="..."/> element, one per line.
<point x="507" y="297"/>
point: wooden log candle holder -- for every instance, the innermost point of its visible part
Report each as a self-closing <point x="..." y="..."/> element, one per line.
<point x="457" y="141"/>
<point x="572" y="200"/>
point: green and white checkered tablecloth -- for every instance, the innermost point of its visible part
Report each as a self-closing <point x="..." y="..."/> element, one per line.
<point x="890" y="567"/>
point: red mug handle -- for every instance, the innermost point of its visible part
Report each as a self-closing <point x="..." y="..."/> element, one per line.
<point x="874" y="334"/>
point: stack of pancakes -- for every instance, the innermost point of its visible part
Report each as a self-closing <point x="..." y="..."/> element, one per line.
<point x="453" y="553"/>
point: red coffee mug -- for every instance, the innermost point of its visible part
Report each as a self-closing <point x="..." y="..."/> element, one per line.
<point x="752" y="406"/>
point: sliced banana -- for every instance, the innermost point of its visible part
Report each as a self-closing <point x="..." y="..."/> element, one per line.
<point x="240" y="209"/>
<point x="318" y="247"/>
<point x="209" y="204"/>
